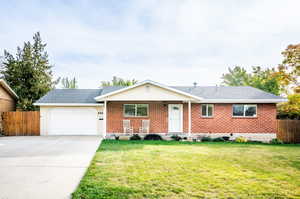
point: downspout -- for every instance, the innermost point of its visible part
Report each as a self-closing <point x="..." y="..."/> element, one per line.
<point x="189" y="118"/>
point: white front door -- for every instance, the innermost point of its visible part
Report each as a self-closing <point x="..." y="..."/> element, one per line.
<point x="175" y="118"/>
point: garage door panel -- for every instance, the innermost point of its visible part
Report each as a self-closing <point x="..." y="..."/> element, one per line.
<point x="73" y="121"/>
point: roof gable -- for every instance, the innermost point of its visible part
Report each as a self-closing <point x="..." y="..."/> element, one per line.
<point x="8" y="89"/>
<point x="147" y="90"/>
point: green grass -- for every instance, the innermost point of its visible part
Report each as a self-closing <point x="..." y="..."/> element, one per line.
<point x="161" y="169"/>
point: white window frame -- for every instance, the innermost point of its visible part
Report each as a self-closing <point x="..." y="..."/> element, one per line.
<point x="135" y="114"/>
<point x="244" y="111"/>
<point x="213" y="110"/>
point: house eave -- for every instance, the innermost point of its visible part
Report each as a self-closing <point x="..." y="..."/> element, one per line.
<point x="68" y="104"/>
<point x="243" y="100"/>
<point x="150" y="100"/>
<point x="9" y="89"/>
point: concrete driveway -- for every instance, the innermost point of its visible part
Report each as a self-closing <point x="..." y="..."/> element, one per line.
<point x="44" y="167"/>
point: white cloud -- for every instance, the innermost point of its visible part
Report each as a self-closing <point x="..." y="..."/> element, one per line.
<point x="173" y="42"/>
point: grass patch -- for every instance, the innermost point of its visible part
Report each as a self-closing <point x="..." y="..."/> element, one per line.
<point x="161" y="169"/>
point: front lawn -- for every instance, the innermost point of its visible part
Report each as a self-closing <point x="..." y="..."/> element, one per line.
<point x="161" y="169"/>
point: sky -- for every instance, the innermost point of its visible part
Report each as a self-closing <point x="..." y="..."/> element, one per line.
<point x="174" y="42"/>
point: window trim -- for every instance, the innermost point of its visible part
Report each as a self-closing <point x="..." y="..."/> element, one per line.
<point x="207" y="116"/>
<point x="135" y="112"/>
<point x="244" y="112"/>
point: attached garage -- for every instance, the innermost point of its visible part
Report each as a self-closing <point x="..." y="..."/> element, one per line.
<point x="71" y="112"/>
<point x="71" y="121"/>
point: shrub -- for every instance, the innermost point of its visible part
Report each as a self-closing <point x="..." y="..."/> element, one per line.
<point x="241" y="139"/>
<point x="206" y="139"/>
<point x="226" y="138"/>
<point x="153" y="137"/>
<point x="276" y="141"/>
<point x="219" y="139"/>
<point x="116" y="137"/>
<point x="255" y="142"/>
<point x="135" y="137"/>
<point x="176" y="137"/>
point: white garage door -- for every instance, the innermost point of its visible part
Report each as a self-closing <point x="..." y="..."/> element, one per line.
<point x="73" y="121"/>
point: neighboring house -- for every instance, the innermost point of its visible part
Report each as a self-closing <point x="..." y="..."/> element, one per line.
<point x="194" y="110"/>
<point x="8" y="99"/>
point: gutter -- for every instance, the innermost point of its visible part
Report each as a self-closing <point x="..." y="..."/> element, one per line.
<point x="68" y="104"/>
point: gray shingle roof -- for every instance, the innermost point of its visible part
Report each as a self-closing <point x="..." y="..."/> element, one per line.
<point x="206" y="92"/>
<point x="71" y="96"/>
<point x="109" y="89"/>
<point x="227" y="92"/>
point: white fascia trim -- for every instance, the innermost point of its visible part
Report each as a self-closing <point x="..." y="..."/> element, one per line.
<point x="154" y="100"/>
<point x="67" y="104"/>
<point x="99" y="98"/>
<point x="10" y="90"/>
<point x="243" y="100"/>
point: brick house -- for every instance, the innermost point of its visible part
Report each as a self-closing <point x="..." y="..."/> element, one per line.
<point x="191" y="111"/>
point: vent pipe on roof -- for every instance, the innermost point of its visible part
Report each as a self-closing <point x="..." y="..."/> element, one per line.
<point x="195" y="84"/>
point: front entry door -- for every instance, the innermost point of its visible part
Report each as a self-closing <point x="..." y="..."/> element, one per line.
<point x="175" y="118"/>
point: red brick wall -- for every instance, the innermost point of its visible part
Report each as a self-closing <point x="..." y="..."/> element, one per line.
<point x="221" y="122"/>
<point x="158" y="115"/>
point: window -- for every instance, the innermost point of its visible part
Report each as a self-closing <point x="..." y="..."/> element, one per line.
<point x="244" y="110"/>
<point x="135" y="110"/>
<point x="207" y="110"/>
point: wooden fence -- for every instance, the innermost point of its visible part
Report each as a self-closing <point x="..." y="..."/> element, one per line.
<point x="21" y="123"/>
<point x="288" y="130"/>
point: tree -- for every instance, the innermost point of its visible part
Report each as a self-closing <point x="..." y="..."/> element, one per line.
<point x="28" y="72"/>
<point x="66" y="83"/>
<point x="290" y="67"/>
<point x="267" y="80"/>
<point x="290" y="109"/>
<point x="116" y="81"/>
<point x="237" y="76"/>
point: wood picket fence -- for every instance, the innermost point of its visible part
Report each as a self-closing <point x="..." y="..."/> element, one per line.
<point x="288" y="130"/>
<point x="21" y="123"/>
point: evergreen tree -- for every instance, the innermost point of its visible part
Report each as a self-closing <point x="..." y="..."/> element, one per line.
<point x="69" y="83"/>
<point x="28" y="72"/>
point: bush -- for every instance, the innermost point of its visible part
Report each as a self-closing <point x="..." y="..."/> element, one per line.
<point x="276" y="141"/>
<point x="241" y="140"/>
<point x="206" y="139"/>
<point x="135" y="137"/>
<point x="219" y="139"/>
<point x="226" y="138"/>
<point x="153" y="137"/>
<point x="255" y="142"/>
<point x="116" y="137"/>
<point x="176" y="137"/>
